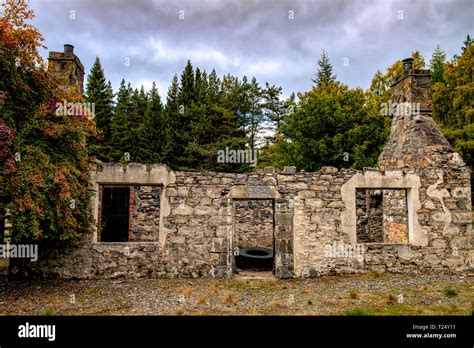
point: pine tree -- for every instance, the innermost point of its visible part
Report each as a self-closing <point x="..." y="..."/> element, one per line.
<point x="467" y="43"/>
<point x="251" y="109"/>
<point x="172" y="103"/>
<point x="437" y="65"/>
<point x="453" y="108"/>
<point x="324" y="74"/>
<point x="121" y="125"/>
<point x="200" y="86"/>
<point x="139" y="102"/>
<point x="213" y="88"/>
<point x="273" y="107"/>
<point x="174" y="111"/>
<point x="100" y="93"/>
<point x="186" y="92"/>
<point x="152" y="133"/>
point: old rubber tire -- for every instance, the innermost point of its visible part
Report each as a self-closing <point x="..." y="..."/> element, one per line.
<point x="256" y="253"/>
<point x="256" y="259"/>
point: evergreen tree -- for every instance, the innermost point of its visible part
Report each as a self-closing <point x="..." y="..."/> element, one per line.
<point x="215" y="125"/>
<point x="467" y="43"/>
<point x="186" y="91"/>
<point x="437" y="65"/>
<point x="178" y="124"/>
<point x="213" y="88"/>
<point x="172" y="103"/>
<point x="324" y="74"/>
<point x="136" y="116"/>
<point x="139" y="103"/>
<point x="251" y="109"/>
<point x="152" y="133"/>
<point x="200" y="86"/>
<point x="330" y="126"/>
<point x="453" y="107"/>
<point x="100" y="93"/>
<point x="121" y="125"/>
<point x="273" y="107"/>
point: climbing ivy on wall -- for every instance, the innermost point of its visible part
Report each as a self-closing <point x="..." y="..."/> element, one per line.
<point x="43" y="155"/>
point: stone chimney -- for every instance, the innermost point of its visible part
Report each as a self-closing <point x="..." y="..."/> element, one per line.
<point x="67" y="69"/>
<point x="415" y="140"/>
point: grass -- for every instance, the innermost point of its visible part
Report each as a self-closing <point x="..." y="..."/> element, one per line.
<point x="450" y="291"/>
<point x="353" y="294"/>
<point x="355" y="312"/>
<point x="229" y="298"/>
<point x="47" y="311"/>
<point x="391" y="299"/>
<point x="373" y="273"/>
<point x="214" y="286"/>
<point x="201" y="299"/>
<point x="335" y="295"/>
<point x="187" y="291"/>
<point x="276" y="304"/>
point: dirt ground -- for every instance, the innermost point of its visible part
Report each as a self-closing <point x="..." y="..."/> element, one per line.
<point x="246" y="294"/>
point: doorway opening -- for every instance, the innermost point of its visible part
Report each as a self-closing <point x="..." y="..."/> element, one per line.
<point x="254" y="235"/>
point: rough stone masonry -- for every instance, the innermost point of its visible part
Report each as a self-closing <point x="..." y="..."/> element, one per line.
<point x="413" y="215"/>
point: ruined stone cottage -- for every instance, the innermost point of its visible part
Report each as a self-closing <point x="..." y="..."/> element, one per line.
<point x="413" y="215"/>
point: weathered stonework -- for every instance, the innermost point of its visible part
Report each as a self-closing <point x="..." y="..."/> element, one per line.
<point x="188" y="224"/>
<point x="67" y="69"/>
<point x="254" y="223"/>
<point x="145" y="213"/>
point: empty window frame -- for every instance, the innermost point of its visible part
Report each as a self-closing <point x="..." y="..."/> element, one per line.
<point x="382" y="215"/>
<point x="115" y="206"/>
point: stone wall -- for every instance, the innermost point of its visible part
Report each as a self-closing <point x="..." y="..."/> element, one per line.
<point x="254" y="223"/>
<point x="189" y="224"/>
<point x="395" y="216"/>
<point x="382" y="216"/>
<point x="370" y="216"/>
<point x="145" y="203"/>
<point x="314" y="219"/>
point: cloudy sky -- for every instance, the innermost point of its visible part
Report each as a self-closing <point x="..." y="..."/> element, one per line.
<point x="276" y="41"/>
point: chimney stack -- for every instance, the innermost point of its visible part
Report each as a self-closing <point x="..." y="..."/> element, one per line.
<point x="413" y="87"/>
<point x="68" y="48"/>
<point x="67" y="69"/>
<point x="407" y="65"/>
<point x="415" y="140"/>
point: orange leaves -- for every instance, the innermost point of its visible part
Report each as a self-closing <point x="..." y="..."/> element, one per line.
<point x="54" y="162"/>
<point x="18" y="36"/>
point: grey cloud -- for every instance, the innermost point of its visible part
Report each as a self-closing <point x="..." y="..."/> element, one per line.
<point x="280" y="50"/>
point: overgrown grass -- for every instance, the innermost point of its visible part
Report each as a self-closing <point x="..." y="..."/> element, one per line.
<point x="355" y="312"/>
<point x="229" y="298"/>
<point x="450" y="291"/>
<point x="353" y="294"/>
<point x="47" y="311"/>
